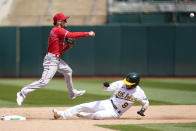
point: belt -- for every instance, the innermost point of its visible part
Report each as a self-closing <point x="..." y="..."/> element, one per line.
<point x="115" y="107"/>
<point x="50" y="54"/>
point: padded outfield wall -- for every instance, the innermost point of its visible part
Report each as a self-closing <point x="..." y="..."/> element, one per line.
<point x="151" y="50"/>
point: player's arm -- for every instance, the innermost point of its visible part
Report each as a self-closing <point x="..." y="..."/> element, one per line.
<point x="145" y="104"/>
<point x="62" y="33"/>
<point x="143" y="109"/>
<point x="111" y="87"/>
<point x="80" y="34"/>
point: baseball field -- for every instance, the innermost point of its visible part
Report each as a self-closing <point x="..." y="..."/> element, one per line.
<point x="172" y="105"/>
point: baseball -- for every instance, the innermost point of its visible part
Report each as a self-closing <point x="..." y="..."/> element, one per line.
<point x="192" y="15"/>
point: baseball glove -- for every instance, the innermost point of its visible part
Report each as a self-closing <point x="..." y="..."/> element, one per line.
<point x="70" y="42"/>
<point x="106" y="84"/>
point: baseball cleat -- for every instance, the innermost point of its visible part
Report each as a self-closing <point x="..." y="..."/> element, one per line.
<point x="57" y="115"/>
<point x="20" y="98"/>
<point x="77" y="93"/>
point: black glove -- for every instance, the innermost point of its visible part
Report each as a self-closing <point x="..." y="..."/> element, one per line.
<point x="141" y="112"/>
<point x="70" y="42"/>
<point x="106" y="84"/>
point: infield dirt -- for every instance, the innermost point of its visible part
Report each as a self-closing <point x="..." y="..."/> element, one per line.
<point x="41" y="118"/>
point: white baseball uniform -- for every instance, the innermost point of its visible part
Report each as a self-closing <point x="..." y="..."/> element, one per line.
<point x="114" y="107"/>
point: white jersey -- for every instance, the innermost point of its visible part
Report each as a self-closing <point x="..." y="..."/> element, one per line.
<point x="113" y="107"/>
<point x="124" y="98"/>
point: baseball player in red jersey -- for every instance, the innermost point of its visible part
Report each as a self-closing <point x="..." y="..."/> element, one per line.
<point x="53" y="62"/>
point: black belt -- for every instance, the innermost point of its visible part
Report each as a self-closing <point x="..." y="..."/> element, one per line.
<point x="115" y="107"/>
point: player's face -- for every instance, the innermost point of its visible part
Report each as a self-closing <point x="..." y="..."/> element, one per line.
<point x="64" y="23"/>
<point x="129" y="86"/>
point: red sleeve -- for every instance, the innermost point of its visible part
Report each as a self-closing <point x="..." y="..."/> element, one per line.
<point x="77" y="34"/>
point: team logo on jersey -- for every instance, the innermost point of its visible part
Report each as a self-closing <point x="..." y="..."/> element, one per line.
<point x="52" y="35"/>
<point x="122" y="95"/>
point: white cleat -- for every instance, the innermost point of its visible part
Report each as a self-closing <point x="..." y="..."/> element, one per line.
<point x="77" y="93"/>
<point x="20" y="98"/>
<point x="57" y="115"/>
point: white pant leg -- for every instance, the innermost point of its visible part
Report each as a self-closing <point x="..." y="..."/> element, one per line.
<point x="104" y="114"/>
<point x="50" y="65"/>
<point x="64" y="69"/>
<point x="90" y="107"/>
<point x="97" y="110"/>
<point x="108" y="111"/>
<point x="99" y="115"/>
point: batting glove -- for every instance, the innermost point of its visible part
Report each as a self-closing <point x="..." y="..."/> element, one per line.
<point x="106" y="84"/>
<point x="141" y="112"/>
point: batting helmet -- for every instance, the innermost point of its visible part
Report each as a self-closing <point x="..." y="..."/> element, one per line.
<point x="132" y="79"/>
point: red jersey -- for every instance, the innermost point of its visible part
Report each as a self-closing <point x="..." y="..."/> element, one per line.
<point x="56" y="41"/>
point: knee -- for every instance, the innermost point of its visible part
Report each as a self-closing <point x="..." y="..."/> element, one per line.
<point x="44" y="82"/>
<point x="68" y="72"/>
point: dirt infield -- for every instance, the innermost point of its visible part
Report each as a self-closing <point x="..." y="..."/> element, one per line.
<point x="40" y="119"/>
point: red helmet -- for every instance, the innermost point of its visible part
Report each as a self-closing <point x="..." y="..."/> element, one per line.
<point x="59" y="16"/>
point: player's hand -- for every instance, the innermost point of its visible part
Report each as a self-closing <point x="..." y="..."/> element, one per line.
<point x="92" y="33"/>
<point x="141" y="112"/>
<point x="106" y="84"/>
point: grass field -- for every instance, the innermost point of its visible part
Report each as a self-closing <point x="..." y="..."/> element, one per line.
<point x="160" y="91"/>
<point x="153" y="127"/>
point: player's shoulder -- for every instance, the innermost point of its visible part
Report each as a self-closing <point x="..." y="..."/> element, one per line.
<point x="139" y="89"/>
<point x="58" y="29"/>
<point x="62" y="29"/>
<point x="119" y="82"/>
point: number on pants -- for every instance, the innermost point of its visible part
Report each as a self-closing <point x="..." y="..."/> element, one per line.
<point x="125" y="105"/>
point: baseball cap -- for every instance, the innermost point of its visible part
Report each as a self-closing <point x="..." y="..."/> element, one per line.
<point x="59" y="16"/>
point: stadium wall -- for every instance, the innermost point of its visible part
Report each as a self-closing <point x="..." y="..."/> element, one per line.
<point x="152" y="50"/>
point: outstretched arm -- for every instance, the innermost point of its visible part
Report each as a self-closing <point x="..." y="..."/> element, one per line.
<point x="145" y="104"/>
<point x="111" y="87"/>
<point x="80" y="34"/>
<point x="142" y="110"/>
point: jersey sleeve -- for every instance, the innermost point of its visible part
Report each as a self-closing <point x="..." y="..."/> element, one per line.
<point x="142" y="98"/>
<point x="77" y="34"/>
<point x="113" y="86"/>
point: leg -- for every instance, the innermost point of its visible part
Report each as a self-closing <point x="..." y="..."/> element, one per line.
<point x="64" y="69"/>
<point x="50" y="68"/>
<point x="104" y="114"/>
<point x="105" y="111"/>
<point x="99" y="115"/>
<point x="90" y="107"/>
<point x="93" y="110"/>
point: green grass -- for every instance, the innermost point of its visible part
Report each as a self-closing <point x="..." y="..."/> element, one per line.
<point x="171" y="91"/>
<point x="153" y="127"/>
<point x="159" y="91"/>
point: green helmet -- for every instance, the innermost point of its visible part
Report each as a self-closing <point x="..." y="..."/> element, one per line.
<point x="133" y="79"/>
